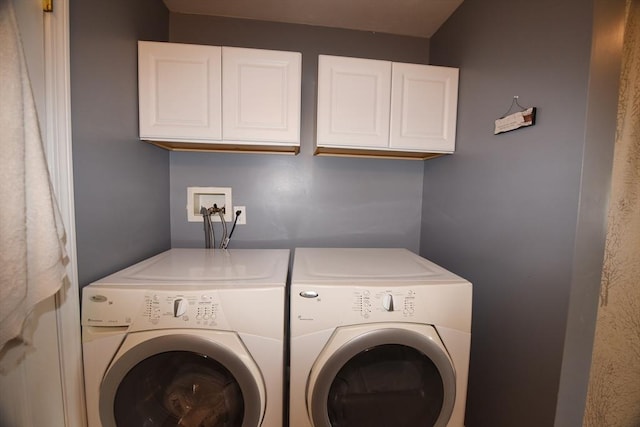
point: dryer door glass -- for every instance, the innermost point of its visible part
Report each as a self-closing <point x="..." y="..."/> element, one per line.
<point x="386" y="385"/>
<point x="178" y="388"/>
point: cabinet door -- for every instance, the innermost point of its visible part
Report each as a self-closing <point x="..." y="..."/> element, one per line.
<point x="179" y="91"/>
<point x="261" y="95"/>
<point x="353" y="102"/>
<point x="424" y="102"/>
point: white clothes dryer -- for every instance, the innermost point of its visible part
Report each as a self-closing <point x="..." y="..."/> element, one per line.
<point x="190" y="337"/>
<point x="379" y="338"/>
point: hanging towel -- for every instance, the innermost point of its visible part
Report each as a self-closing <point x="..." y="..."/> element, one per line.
<point x="32" y="251"/>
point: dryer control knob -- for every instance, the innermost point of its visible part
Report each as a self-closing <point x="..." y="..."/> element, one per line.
<point x="387" y="302"/>
<point x="179" y="307"/>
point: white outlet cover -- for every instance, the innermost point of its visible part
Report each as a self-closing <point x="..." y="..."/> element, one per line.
<point x="207" y="197"/>
<point x="242" y="219"/>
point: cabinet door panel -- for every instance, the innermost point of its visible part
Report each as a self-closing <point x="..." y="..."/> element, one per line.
<point x="261" y="95"/>
<point x="424" y="107"/>
<point x="179" y="91"/>
<point x="353" y="102"/>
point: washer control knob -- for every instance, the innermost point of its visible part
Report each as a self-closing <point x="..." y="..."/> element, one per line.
<point x="387" y="302"/>
<point x="179" y="307"/>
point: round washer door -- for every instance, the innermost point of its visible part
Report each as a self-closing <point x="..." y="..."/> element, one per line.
<point x="182" y="378"/>
<point x="380" y="376"/>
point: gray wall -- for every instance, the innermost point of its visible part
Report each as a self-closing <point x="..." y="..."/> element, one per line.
<point x="303" y="200"/>
<point x="121" y="184"/>
<point x="504" y="210"/>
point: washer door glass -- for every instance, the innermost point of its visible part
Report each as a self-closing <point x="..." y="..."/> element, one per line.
<point x="387" y="385"/>
<point x="178" y="388"/>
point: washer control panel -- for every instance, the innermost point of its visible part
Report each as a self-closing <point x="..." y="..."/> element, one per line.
<point x="151" y="309"/>
<point x="188" y="308"/>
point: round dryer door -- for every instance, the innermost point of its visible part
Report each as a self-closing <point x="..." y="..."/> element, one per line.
<point x="182" y="379"/>
<point x="391" y="375"/>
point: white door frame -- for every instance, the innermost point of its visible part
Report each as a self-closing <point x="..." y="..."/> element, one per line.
<point x="59" y="156"/>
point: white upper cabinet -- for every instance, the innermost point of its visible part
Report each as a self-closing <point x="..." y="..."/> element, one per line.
<point x="423" y="108"/>
<point x="179" y="90"/>
<point x="261" y="95"/>
<point x="211" y="98"/>
<point x="353" y="101"/>
<point x="379" y="108"/>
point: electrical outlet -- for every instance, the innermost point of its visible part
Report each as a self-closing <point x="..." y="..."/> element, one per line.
<point x="242" y="219"/>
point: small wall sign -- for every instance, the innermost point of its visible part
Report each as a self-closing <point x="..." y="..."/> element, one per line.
<point x="516" y="120"/>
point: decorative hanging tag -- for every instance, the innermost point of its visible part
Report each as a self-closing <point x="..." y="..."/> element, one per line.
<point x="513" y="121"/>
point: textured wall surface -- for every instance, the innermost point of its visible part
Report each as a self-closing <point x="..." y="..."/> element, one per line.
<point x="614" y="386"/>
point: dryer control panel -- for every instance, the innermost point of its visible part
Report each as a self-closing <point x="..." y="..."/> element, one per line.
<point x="367" y="301"/>
<point x="322" y="307"/>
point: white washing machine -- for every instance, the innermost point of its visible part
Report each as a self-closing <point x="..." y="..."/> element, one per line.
<point x="379" y="338"/>
<point x="190" y="338"/>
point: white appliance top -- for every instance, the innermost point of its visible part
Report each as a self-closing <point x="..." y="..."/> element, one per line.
<point x="205" y="267"/>
<point x="366" y="265"/>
